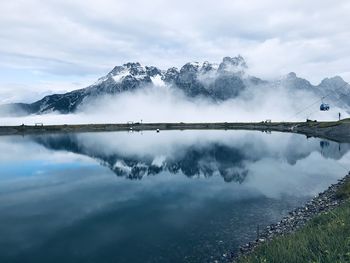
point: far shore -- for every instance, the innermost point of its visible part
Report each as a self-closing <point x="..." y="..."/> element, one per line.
<point x="338" y="131"/>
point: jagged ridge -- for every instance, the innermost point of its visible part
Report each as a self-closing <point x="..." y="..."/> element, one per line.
<point x="215" y="81"/>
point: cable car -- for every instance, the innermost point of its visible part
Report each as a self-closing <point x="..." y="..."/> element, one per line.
<point x="324" y="107"/>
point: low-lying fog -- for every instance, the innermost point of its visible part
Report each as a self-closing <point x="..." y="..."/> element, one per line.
<point x="164" y="104"/>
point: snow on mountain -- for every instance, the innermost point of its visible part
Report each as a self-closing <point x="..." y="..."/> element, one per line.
<point x="218" y="82"/>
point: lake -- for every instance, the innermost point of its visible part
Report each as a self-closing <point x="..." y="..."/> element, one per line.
<point x="173" y="196"/>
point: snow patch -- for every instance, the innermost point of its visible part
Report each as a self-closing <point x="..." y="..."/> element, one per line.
<point x="99" y="81"/>
<point x="122" y="166"/>
<point x="121" y="75"/>
<point x="157" y="81"/>
<point x="195" y="64"/>
<point x="158" y="161"/>
<point x="140" y="76"/>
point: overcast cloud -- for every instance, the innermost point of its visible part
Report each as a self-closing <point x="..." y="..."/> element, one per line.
<point x="60" y="45"/>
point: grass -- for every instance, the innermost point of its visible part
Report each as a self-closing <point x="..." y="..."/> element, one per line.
<point x="324" y="239"/>
<point x="321" y="124"/>
<point x="328" y="124"/>
<point x="344" y="191"/>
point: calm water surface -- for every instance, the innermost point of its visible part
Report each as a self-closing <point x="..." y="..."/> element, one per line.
<point x="173" y="196"/>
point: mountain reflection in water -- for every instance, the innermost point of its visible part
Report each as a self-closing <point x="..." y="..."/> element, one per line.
<point x="173" y="196"/>
<point x="228" y="158"/>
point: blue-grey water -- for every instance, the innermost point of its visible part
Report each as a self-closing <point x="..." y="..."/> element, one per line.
<point x="173" y="196"/>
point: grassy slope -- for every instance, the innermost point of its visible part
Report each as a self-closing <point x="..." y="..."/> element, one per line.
<point x="326" y="238"/>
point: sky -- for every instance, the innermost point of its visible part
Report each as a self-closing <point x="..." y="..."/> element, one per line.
<point x="55" y="46"/>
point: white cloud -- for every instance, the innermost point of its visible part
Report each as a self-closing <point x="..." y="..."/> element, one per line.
<point x="84" y="38"/>
<point x="29" y="90"/>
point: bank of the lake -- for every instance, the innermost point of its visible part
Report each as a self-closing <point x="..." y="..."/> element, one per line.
<point x="331" y="130"/>
<point x="317" y="232"/>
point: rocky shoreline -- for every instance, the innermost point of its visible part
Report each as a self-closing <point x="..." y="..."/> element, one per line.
<point x="297" y="218"/>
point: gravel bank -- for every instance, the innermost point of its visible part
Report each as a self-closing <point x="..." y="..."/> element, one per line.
<point x="297" y="218"/>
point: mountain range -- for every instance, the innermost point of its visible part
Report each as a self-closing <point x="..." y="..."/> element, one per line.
<point x="217" y="82"/>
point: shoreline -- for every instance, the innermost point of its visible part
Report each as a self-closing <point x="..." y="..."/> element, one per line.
<point x="296" y="219"/>
<point x="338" y="131"/>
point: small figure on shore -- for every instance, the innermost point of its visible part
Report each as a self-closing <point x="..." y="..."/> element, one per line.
<point x="339" y="115"/>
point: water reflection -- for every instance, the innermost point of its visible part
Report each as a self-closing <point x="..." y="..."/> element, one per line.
<point x="202" y="193"/>
<point x="229" y="157"/>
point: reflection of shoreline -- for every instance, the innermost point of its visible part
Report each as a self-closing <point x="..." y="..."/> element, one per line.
<point x="335" y="131"/>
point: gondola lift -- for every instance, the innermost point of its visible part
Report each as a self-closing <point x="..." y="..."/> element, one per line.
<point x="324" y="106"/>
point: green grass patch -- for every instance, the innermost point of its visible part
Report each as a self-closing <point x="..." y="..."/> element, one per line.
<point x="326" y="239"/>
<point x="328" y="124"/>
<point x="323" y="124"/>
<point x="344" y="191"/>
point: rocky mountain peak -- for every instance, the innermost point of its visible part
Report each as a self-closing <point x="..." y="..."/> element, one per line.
<point x="153" y="71"/>
<point x="208" y="67"/>
<point x="135" y="68"/>
<point x="132" y="65"/>
<point x="233" y="65"/>
<point x="291" y="75"/>
<point x="293" y="82"/>
<point x="131" y="71"/>
<point x="334" y="82"/>
<point x="171" y="75"/>
<point x="116" y="70"/>
<point x="190" y="67"/>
